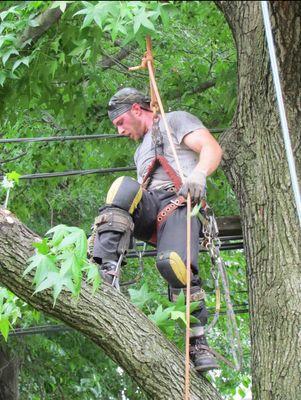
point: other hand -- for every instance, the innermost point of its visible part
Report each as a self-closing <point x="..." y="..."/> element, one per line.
<point x="195" y="183"/>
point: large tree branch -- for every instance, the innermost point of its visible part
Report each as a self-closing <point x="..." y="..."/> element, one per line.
<point x="43" y="22"/>
<point x="107" y="318"/>
<point x="202" y="87"/>
<point x="109" y="60"/>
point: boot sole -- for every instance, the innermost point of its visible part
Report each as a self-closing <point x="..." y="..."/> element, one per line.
<point x="205" y="368"/>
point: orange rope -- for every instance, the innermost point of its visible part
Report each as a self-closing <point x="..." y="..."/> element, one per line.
<point x="188" y="262"/>
<point x="156" y="103"/>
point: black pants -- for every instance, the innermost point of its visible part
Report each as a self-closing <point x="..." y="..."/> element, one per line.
<point x="171" y="236"/>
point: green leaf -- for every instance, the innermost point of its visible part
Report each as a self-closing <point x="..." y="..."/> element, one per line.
<point x="195" y="305"/>
<point x="13" y="176"/>
<point x="87" y="10"/>
<point x="2" y="77"/>
<point x="69" y="240"/>
<point x="42" y="247"/>
<point x="196" y="210"/>
<point x="4" y="327"/>
<point x="87" y="20"/>
<point x="53" y="65"/>
<point x="6" y="55"/>
<point x="56" y="228"/>
<point x="93" y="275"/>
<point x="7" y="38"/>
<point x="78" y="239"/>
<point x="11" y="10"/>
<point x="58" y="287"/>
<point x="164" y="16"/>
<point x="61" y="4"/>
<point x="178" y="315"/>
<point x="59" y="232"/>
<point x="50" y="280"/>
<point x="142" y="19"/>
<point x="180" y="302"/>
<point x="44" y="264"/>
<point x="161" y="316"/>
<point x="141" y="296"/>
<point x="24" y="60"/>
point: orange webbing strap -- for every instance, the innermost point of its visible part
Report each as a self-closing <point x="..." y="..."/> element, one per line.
<point x="148" y="61"/>
<point x="188" y="262"/>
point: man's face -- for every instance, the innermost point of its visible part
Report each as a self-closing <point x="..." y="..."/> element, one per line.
<point x="130" y="124"/>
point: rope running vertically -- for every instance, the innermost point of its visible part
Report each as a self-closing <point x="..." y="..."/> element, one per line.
<point x="282" y="113"/>
<point x="156" y="103"/>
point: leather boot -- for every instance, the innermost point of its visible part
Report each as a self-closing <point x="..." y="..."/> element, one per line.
<point x="200" y="355"/>
<point x="107" y="271"/>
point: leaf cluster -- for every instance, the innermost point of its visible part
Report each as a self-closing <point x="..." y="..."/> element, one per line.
<point x="170" y="317"/>
<point x="10" y="311"/>
<point x="59" y="262"/>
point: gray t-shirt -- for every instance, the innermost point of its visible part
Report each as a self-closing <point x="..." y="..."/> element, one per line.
<point x="181" y="123"/>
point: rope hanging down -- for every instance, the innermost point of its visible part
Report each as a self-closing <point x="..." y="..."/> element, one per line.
<point x="283" y="119"/>
<point x="156" y="104"/>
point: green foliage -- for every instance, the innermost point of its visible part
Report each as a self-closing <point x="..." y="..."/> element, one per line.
<point x="169" y="317"/>
<point x="67" y="364"/>
<point x="131" y="20"/>
<point x="59" y="262"/>
<point x="8" y="182"/>
<point x="9" y="311"/>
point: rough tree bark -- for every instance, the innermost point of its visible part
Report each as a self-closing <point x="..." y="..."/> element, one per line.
<point x="9" y="372"/>
<point x="255" y="163"/>
<point x="108" y="318"/>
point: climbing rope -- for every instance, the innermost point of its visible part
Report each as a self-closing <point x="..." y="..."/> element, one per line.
<point x="283" y="119"/>
<point x="211" y="241"/>
<point x="156" y="105"/>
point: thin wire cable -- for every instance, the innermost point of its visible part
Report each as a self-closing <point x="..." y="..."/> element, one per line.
<point x="61" y="138"/>
<point x="48" y="175"/>
<point x="44" y="329"/>
<point x="76" y="137"/>
<point x="283" y="119"/>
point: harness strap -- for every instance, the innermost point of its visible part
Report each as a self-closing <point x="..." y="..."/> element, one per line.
<point x="161" y="160"/>
<point x="168" y="210"/>
<point x="164" y="214"/>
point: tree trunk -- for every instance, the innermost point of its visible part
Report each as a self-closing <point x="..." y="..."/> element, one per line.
<point x="256" y="165"/>
<point x="123" y="332"/>
<point x="9" y="372"/>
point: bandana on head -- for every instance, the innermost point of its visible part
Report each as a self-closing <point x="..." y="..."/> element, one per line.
<point x="123" y="100"/>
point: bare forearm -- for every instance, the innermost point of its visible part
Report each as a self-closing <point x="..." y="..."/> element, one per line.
<point x="210" y="158"/>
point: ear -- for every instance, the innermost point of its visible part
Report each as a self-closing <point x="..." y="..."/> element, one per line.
<point x="136" y="109"/>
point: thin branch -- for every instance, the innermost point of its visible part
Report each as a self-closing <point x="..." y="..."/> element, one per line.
<point x="14" y="158"/>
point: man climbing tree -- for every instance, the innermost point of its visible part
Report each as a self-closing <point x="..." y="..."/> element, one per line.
<point x="153" y="209"/>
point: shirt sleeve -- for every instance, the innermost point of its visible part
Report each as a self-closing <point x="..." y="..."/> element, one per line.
<point x="182" y="123"/>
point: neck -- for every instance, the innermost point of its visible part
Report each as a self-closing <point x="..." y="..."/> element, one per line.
<point x="148" y="121"/>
